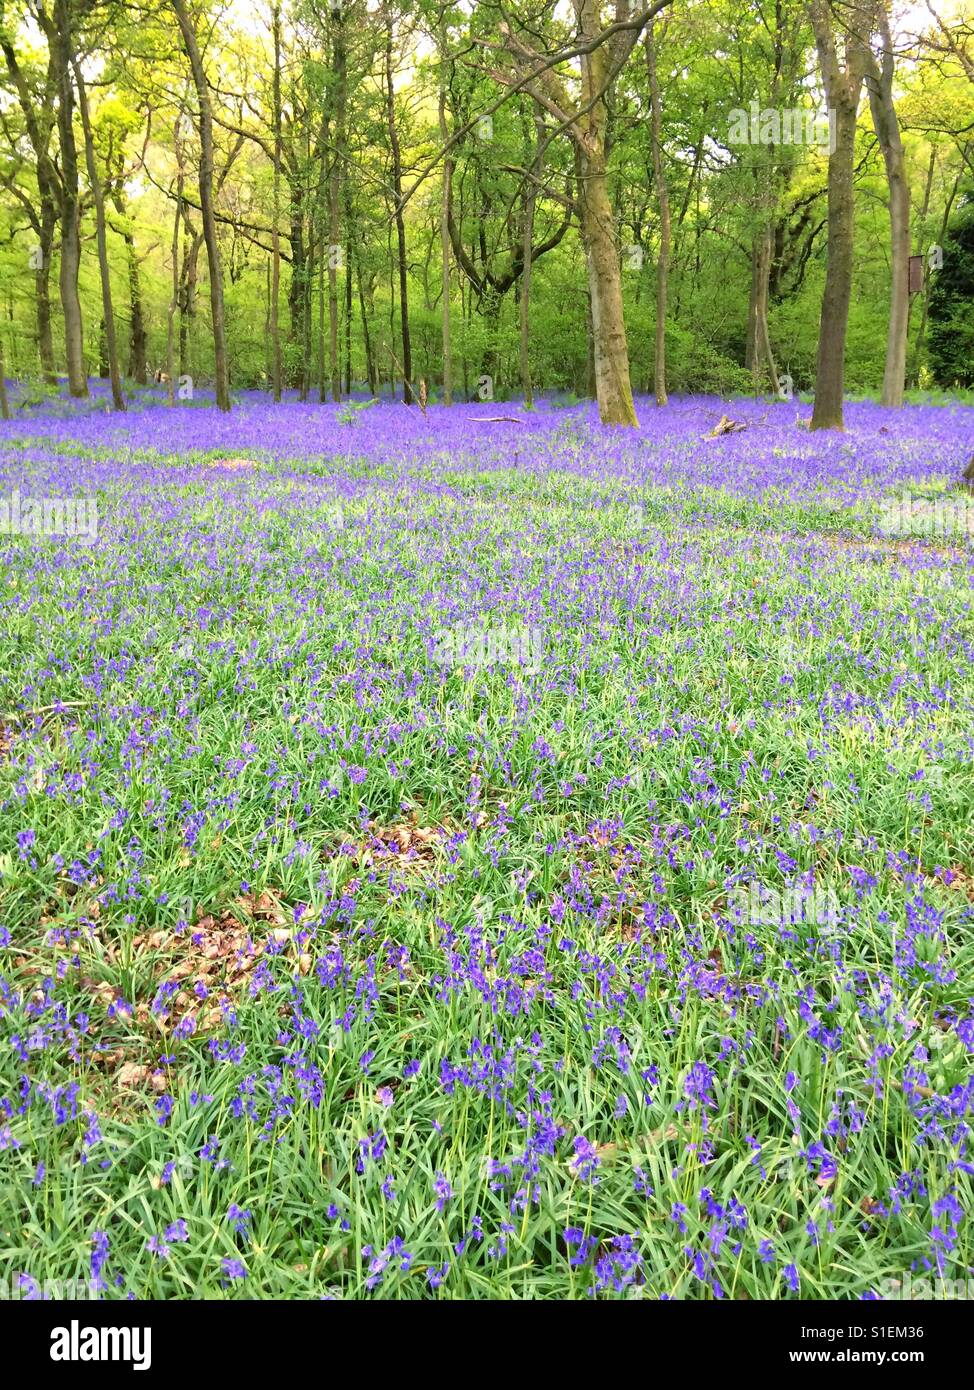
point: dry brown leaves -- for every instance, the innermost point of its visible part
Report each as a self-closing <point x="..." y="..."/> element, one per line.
<point x="195" y="975"/>
<point x="407" y="844"/>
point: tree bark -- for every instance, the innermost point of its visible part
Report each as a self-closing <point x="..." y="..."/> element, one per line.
<point x="101" y="234"/>
<point x="174" y="298"/>
<point x="843" y="86"/>
<point x="275" y="314"/>
<point x="210" y="238"/>
<point x="39" y="119"/>
<point x="407" y="360"/>
<point x="879" y="82"/>
<point x="445" y="198"/>
<point x="758" y="338"/>
<point x="340" y="70"/>
<point x="61" y="36"/>
<point x="663" y="198"/>
<point x="4" y="403"/>
<point x="524" y="334"/>
<point x="611" y="350"/>
<point x="42" y="291"/>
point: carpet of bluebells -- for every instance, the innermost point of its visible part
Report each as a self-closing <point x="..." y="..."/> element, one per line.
<point x="336" y="964"/>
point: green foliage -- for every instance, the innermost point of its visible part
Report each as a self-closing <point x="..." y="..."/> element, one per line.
<point x="952" y="303"/>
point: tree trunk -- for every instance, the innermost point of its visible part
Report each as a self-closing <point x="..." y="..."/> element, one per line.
<point x="407" y="359"/>
<point x="348" y="294"/>
<point x="138" y="343"/>
<point x="663" y="198"/>
<point x="611" y="350"/>
<point x="886" y="125"/>
<point x="62" y="37"/>
<point x="340" y="70"/>
<point x="174" y="299"/>
<point x="843" y="85"/>
<point x="524" y="339"/>
<point x="275" y="314"/>
<point x="220" y="371"/>
<point x="98" y="197"/>
<point x="370" y="367"/>
<point x="445" y="197"/>
<point x="4" y="403"/>
<point x="42" y="291"/>
<point x="758" y="337"/>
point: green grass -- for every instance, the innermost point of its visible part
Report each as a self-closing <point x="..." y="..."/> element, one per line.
<point x="233" y="662"/>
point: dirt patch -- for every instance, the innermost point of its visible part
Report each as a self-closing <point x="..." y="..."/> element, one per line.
<point x="232" y="463"/>
<point x="889" y="545"/>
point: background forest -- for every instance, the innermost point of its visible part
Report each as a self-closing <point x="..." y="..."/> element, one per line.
<point x="388" y="195"/>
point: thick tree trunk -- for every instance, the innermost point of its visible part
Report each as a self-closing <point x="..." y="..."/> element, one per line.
<point x="609" y="346"/>
<point x="101" y="234"/>
<point x="843" y="85"/>
<point x="220" y="369"/>
<point x="611" y="350"/>
<point x="62" y="36"/>
<point x="880" y="85"/>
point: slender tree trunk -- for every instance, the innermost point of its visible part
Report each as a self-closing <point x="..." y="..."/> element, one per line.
<point x="524" y="337"/>
<point x="879" y="82"/>
<point x="759" y="339"/>
<point x="275" y="310"/>
<point x="843" y="85"/>
<point x="407" y="358"/>
<point x="174" y="297"/>
<point x="366" y="335"/>
<point x="4" y="403"/>
<point x="663" y="198"/>
<point x="138" y="343"/>
<point x="138" y="338"/>
<point x="42" y="291"/>
<point x="348" y="298"/>
<point x="220" y="369"/>
<point x="445" y="196"/>
<point x="336" y="250"/>
<point x="101" y="234"/>
<point x="62" y="37"/>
